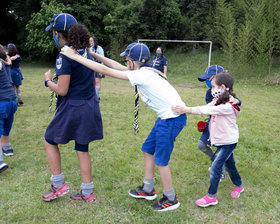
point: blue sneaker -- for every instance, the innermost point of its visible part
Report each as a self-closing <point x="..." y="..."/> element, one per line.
<point x="3" y="167"/>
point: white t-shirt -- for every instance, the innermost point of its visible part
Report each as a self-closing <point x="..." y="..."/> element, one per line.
<point x="156" y="92"/>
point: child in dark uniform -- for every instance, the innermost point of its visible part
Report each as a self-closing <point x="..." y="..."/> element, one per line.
<point x="16" y="73"/>
<point x="8" y="107"/>
<point x="78" y="114"/>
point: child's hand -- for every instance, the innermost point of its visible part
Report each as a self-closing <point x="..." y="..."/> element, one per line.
<point x="233" y="100"/>
<point x="179" y="109"/>
<point x="48" y="75"/>
<point x="68" y="51"/>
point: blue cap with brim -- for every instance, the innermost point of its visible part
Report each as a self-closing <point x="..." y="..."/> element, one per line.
<point x="211" y="70"/>
<point x="62" y="21"/>
<point x="138" y="52"/>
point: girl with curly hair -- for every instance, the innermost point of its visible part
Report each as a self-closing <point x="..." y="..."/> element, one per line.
<point x="78" y="114"/>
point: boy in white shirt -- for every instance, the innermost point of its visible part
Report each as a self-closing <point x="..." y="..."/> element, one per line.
<point x="160" y="96"/>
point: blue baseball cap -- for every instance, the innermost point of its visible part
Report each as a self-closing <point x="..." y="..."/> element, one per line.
<point x="62" y="21"/>
<point x="138" y="52"/>
<point x="210" y="71"/>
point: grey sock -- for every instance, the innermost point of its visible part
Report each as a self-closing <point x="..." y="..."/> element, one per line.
<point x="18" y="94"/>
<point x="1" y="156"/>
<point x="57" y="180"/>
<point x="7" y="146"/>
<point x="87" y="189"/>
<point x="148" y="184"/>
<point x="97" y="90"/>
<point x="170" y="194"/>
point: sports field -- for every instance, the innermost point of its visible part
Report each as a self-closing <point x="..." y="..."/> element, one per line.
<point x="118" y="162"/>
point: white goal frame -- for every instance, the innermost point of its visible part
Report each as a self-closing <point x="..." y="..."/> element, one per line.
<point x="184" y="41"/>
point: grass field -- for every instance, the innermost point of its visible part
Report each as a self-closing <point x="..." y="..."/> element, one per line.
<point x="118" y="162"/>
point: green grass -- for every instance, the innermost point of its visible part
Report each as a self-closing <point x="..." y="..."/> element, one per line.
<point x="120" y="166"/>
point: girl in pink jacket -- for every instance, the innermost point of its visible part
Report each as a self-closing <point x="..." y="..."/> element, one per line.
<point x="224" y="135"/>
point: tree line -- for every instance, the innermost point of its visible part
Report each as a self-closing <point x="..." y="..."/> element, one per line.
<point x="246" y="30"/>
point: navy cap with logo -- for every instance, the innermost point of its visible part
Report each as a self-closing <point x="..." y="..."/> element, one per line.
<point x="62" y="21"/>
<point x="138" y="52"/>
<point x="211" y="70"/>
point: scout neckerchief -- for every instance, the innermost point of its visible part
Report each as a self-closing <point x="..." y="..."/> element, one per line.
<point x="83" y="53"/>
<point x="136" y="96"/>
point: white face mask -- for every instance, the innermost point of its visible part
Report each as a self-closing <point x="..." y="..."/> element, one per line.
<point x="216" y="93"/>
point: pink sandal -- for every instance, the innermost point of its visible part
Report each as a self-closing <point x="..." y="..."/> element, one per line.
<point x="236" y="192"/>
<point x="206" y="201"/>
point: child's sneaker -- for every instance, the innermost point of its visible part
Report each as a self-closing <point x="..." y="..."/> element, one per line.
<point x="166" y="205"/>
<point x="140" y="193"/>
<point x="8" y="152"/>
<point x="56" y="192"/>
<point x="223" y="176"/>
<point x="206" y="201"/>
<point x="80" y="196"/>
<point x="3" y="167"/>
<point x="236" y="192"/>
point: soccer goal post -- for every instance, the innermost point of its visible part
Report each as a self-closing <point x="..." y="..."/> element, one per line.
<point x="184" y="41"/>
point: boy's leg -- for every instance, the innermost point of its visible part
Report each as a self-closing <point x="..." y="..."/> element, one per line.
<point x="147" y="191"/>
<point x="6" y="146"/>
<point x="166" y="179"/>
<point x="3" y="166"/>
<point x="7" y="125"/>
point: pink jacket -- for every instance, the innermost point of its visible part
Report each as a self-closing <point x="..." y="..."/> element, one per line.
<point x="222" y="126"/>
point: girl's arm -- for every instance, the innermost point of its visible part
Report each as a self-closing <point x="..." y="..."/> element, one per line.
<point x="109" y="62"/>
<point x="209" y="109"/>
<point x="15" y="57"/>
<point x="67" y="51"/>
<point x="62" y="86"/>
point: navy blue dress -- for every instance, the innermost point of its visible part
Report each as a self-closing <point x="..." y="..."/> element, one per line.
<point x="16" y="73"/>
<point x="78" y="114"/>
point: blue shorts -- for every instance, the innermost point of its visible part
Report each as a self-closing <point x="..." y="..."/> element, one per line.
<point x="160" y="141"/>
<point x="7" y="110"/>
<point x="205" y="135"/>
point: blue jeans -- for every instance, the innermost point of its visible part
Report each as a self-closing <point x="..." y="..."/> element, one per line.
<point x="225" y="156"/>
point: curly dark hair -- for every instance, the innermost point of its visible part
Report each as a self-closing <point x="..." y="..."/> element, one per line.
<point x="224" y="78"/>
<point x="12" y="50"/>
<point x="78" y="36"/>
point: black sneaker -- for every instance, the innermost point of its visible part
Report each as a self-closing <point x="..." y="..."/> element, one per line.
<point x="166" y="205"/>
<point x="8" y="152"/>
<point x="140" y="193"/>
<point x="3" y="167"/>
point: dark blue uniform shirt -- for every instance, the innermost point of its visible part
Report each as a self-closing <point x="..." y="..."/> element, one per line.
<point x="81" y="84"/>
<point x="159" y="63"/>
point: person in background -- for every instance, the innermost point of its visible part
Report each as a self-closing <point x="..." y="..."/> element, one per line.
<point x="16" y="73"/>
<point x="159" y="61"/>
<point x="95" y="48"/>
